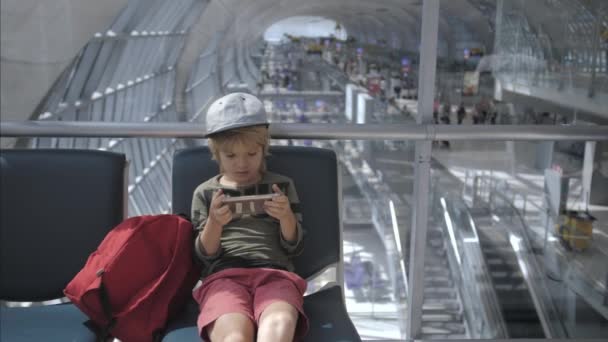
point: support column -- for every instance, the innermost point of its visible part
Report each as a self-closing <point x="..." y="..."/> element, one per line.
<point x="426" y="94"/>
<point x="497" y="54"/>
<point x="588" y="172"/>
<point x="597" y="31"/>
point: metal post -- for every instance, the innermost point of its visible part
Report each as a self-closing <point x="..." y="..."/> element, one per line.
<point x="588" y="172"/>
<point x="475" y="194"/>
<point x="498" y="27"/>
<point x="595" y="51"/>
<point x="498" y="52"/>
<point x="393" y="131"/>
<point x="426" y="92"/>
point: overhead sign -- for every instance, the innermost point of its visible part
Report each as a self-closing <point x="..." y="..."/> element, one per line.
<point x="471" y="83"/>
<point x="476" y="52"/>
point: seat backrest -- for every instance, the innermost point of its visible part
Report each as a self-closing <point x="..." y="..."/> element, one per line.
<point x="57" y="206"/>
<point x="314" y="172"/>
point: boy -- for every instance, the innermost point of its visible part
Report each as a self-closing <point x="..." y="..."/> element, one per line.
<point x="249" y="289"/>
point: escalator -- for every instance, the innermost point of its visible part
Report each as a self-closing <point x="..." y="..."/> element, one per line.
<point x="516" y="303"/>
<point x="442" y="311"/>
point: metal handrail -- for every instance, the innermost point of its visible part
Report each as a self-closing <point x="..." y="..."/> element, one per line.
<point x="472" y="252"/>
<point x="543" y="305"/>
<point x="547" y="313"/>
<point x="309" y="131"/>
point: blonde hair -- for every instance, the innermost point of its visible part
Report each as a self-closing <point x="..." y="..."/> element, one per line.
<point x="225" y="141"/>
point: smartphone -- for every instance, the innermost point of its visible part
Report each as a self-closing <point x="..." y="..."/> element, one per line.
<point x="252" y="205"/>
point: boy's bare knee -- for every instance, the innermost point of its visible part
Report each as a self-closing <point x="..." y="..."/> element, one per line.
<point x="238" y="336"/>
<point x="279" y="316"/>
<point x="232" y="328"/>
<point x="280" y="319"/>
<point x="233" y="336"/>
<point x="278" y="324"/>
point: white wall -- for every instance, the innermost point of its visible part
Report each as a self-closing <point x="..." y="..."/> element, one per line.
<point x="38" y="40"/>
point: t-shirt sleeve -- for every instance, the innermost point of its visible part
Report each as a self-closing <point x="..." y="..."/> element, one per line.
<point x="294" y="248"/>
<point x="199" y="209"/>
<point x="200" y="205"/>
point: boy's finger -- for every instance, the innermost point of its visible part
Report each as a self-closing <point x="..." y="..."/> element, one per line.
<point x="218" y="201"/>
<point x="227" y="213"/>
<point x="280" y="199"/>
<point x="223" y="210"/>
<point x="271" y="204"/>
<point x="216" y="194"/>
<point x="277" y="189"/>
<point x="271" y="211"/>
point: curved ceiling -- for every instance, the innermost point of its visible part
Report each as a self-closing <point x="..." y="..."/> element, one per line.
<point x="401" y="19"/>
<point x="361" y="18"/>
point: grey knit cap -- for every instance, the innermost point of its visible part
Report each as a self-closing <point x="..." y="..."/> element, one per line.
<point x="234" y="110"/>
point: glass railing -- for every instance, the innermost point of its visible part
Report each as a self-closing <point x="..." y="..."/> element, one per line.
<point x="468" y="266"/>
<point x="539" y="208"/>
<point x="378" y="181"/>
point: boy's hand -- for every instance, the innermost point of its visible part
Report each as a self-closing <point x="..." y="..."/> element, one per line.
<point x="219" y="213"/>
<point x="279" y="207"/>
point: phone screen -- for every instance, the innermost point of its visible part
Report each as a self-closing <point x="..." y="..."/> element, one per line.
<point x="252" y="205"/>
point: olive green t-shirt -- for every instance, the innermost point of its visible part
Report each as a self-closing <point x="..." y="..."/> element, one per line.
<point x="247" y="240"/>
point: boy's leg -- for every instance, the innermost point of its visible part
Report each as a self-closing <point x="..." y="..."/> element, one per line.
<point x="233" y="327"/>
<point x="225" y="304"/>
<point x="278" y="306"/>
<point x="277" y="323"/>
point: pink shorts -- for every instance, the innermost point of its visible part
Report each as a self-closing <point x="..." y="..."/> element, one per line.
<point x="249" y="291"/>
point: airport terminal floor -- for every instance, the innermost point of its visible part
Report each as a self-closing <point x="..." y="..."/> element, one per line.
<point x="471" y="139"/>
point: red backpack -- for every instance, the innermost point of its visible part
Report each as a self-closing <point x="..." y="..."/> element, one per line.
<point x="139" y="276"/>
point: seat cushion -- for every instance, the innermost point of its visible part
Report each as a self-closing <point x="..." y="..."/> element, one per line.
<point x="328" y="318"/>
<point x="63" y="322"/>
<point x="183" y="327"/>
<point x="325" y="309"/>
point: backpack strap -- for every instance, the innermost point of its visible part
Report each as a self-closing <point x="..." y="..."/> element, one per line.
<point x="103" y="333"/>
<point x="158" y="335"/>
